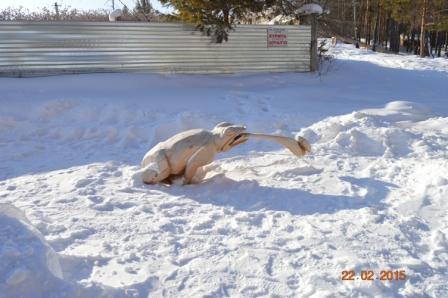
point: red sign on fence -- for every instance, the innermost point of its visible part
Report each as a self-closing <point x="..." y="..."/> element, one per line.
<point x="277" y="37"/>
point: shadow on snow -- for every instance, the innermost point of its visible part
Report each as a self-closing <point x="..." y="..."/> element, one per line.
<point x="249" y="195"/>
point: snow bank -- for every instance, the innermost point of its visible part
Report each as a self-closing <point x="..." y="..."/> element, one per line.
<point x="29" y="266"/>
<point x="269" y="222"/>
<point x="310" y="8"/>
<point x="396" y="111"/>
<point x="280" y="19"/>
<point x="372" y="132"/>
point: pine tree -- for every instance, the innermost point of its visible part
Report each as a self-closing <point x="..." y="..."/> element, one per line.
<point x="216" y="18"/>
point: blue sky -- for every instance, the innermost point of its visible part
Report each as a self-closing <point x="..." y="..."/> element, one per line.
<point x="78" y="4"/>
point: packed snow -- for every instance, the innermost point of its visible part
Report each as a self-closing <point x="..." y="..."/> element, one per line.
<point x="76" y="221"/>
<point x="310" y="8"/>
<point x="24" y="253"/>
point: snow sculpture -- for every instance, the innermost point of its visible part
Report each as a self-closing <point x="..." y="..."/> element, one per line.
<point x="114" y="15"/>
<point x="184" y="153"/>
<point x="310" y="8"/>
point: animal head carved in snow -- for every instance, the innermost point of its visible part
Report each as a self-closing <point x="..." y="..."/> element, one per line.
<point x="228" y="135"/>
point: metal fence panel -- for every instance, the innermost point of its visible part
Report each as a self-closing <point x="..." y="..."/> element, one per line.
<point x="41" y="48"/>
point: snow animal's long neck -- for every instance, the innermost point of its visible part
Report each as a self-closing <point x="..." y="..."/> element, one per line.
<point x="289" y="143"/>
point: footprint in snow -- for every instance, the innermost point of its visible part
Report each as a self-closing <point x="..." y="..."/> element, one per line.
<point x="294" y="173"/>
<point x="83" y="182"/>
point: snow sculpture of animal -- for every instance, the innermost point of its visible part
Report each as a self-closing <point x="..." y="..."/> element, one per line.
<point x="187" y="151"/>
<point x="184" y="153"/>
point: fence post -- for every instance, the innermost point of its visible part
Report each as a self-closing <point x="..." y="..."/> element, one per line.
<point x="313" y="47"/>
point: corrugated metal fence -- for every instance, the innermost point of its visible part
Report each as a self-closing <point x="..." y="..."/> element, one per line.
<point x="40" y="48"/>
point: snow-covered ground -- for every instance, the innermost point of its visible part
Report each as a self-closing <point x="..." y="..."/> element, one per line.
<point x="373" y="195"/>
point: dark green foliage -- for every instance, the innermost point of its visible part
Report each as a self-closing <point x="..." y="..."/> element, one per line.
<point x="216" y="18"/>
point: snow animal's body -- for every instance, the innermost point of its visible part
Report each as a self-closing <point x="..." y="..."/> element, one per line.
<point x="187" y="151"/>
<point x="184" y="153"/>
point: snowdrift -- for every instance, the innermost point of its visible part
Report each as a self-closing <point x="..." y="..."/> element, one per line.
<point x="374" y="187"/>
<point x="387" y="132"/>
<point x="29" y="266"/>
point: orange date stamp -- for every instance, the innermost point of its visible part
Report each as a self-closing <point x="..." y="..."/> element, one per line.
<point x="370" y="275"/>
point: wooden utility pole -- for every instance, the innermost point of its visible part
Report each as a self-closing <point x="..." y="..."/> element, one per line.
<point x="422" y="29"/>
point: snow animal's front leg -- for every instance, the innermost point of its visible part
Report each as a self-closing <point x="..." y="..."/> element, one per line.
<point x="157" y="170"/>
<point x="200" y="158"/>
